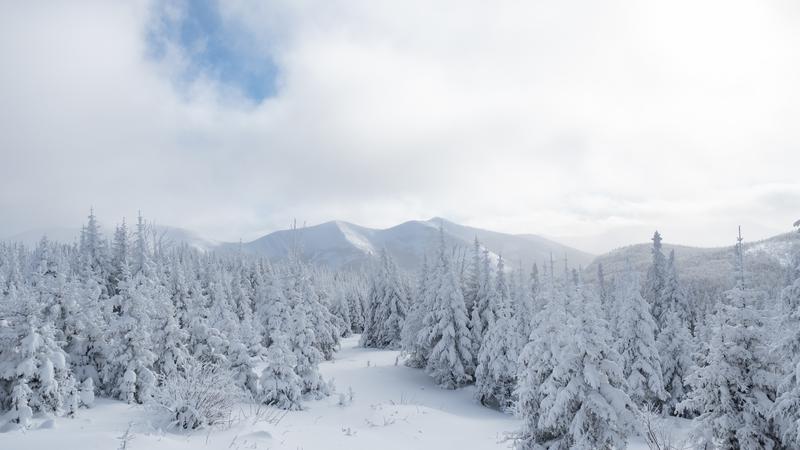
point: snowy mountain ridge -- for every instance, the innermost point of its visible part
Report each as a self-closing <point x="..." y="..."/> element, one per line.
<point x="337" y="243"/>
<point x="342" y="244"/>
<point x="768" y="260"/>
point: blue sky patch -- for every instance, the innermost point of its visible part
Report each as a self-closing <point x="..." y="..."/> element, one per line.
<point x="215" y="48"/>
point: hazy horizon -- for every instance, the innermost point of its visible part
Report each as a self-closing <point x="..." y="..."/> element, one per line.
<point x="588" y="244"/>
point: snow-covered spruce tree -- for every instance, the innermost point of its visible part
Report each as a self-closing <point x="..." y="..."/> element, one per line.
<point x="224" y="319"/>
<point x="673" y="296"/>
<point x="522" y="307"/>
<point x="70" y="306"/>
<point x="734" y="389"/>
<point x="179" y="294"/>
<point x="675" y="347"/>
<point x="581" y="403"/>
<point x="417" y="310"/>
<point x="301" y="332"/>
<point x="482" y="314"/>
<point x="603" y="289"/>
<point x="636" y="344"/>
<point x="21" y="411"/>
<point x="387" y="306"/>
<point x="355" y="292"/>
<point x="171" y="340"/>
<point x="94" y="251"/>
<point x="535" y="283"/>
<point x="86" y="330"/>
<point x="340" y="308"/>
<point x="48" y="284"/>
<point x="272" y="307"/>
<point x="653" y="290"/>
<point x="444" y="331"/>
<point x="33" y="367"/>
<point x="206" y="343"/>
<point x="538" y="357"/>
<point x="120" y="269"/>
<point x="496" y="372"/>
<point x="128" y="375"/>
<point x="787" y="405"/>
<point x="674" y="342"/>
<point x="280" y="385"/>
<point x="472" y="277"/>
<point x="325" y="324"/>
<point x="280" y="382"/>
<point x="142" y="259"/>
<point x="243" y="293"/>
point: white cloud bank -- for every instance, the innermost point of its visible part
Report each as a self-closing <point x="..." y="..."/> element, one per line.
<point x="563" y="118"/>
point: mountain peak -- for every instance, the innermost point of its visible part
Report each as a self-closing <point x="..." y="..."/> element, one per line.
<point x="338" y="243"/>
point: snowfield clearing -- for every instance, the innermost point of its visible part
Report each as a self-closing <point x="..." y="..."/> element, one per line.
<point x="394" y="407"/>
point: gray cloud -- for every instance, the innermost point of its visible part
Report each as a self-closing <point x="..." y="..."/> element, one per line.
<point x="560" y="118"/>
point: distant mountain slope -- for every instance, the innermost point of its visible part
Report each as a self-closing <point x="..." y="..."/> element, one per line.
<point x="528" y="248"/>
<point x="168" y="235"/>
<point x="342" y="244"/>
<point x="32" y="237"/>
<point x="766" y="260"/>
<point x="180" y="236"/>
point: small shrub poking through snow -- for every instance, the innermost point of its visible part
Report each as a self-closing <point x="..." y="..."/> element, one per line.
<point x="86" y="392"/>
<point x="656" y="434"/>
<point x="201" y="396"/>
<point x="346" y="398"/>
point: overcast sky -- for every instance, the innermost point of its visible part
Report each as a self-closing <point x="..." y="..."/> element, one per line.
<point x="591" y="121"/>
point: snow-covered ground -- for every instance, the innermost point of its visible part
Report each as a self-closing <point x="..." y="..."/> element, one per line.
<point x="394" y="407"/>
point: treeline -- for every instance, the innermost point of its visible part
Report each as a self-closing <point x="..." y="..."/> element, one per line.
<point x="580" y="362"/>
<point x="584" y="363"/>
<point x="133" y="319"/>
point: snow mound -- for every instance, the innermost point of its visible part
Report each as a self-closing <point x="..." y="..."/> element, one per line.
<point x="257" y="435"/>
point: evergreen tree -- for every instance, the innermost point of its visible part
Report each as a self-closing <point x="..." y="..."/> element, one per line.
<point x="302" y="333"/>
<point x="418" y="309"/>
<point x="602" y="289"/>
<point x="734" y="389"/>
<point x="33" y="366"/>
<point x="496" y="373"/>
<point x="539" y="357"/>
<point x="120" y="260"/>
<point x="326" y="331"/>
<point x="534" y="281"/>
<point x="355" y="300"/>
<point x="580" y="403"/>
<point x="340" y="308"/>
<point x="272" y="307"/>
<point x="444" y="331"/>
<point x="674" y="342"/>
<point x="280" y="385"/>
<point x="387" y="307"/>
<point x="129" y="373"/>
<point x="522" y="308"/>
<point x="636" y="343"/>
<point x="173" y="352"/>
<point x="93" y="249"/>
<point x="655" y="282"/>
<point x="482" y="314"/>
<point x="473" y="277"/>
<point x="787" y="405"/>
